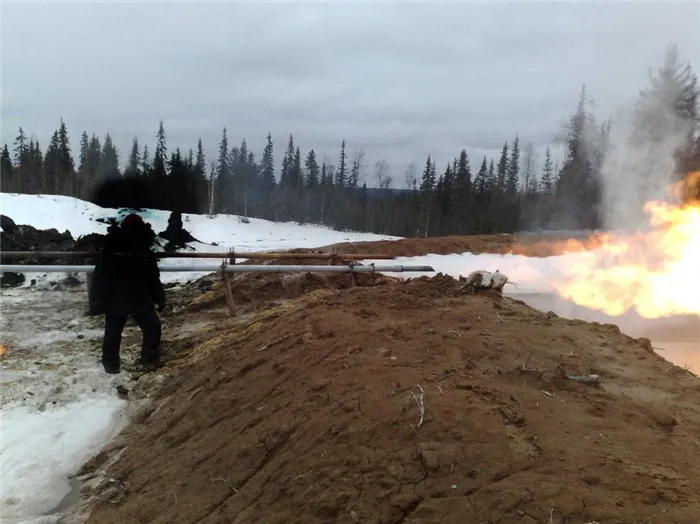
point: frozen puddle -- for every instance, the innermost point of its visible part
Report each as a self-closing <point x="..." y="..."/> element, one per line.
<point x="58" y="406"/>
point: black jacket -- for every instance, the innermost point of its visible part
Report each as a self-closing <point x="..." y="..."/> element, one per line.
<point x="126" y="278"/>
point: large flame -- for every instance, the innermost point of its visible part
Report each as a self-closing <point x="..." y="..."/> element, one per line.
<point x="654" y="273"/>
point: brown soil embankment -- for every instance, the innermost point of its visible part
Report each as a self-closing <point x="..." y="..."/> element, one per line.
<point x="407" y="401"/>
<point x="529" y="244"/>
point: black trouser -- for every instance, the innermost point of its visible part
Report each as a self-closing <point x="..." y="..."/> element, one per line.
<point x="89" y="287"/>
<point x="149" y="323"/>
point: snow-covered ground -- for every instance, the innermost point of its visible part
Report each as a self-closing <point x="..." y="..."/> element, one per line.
<point x="58" y="407"/>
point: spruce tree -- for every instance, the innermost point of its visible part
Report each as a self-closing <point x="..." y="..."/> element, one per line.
<point x="461" y="193"/>
<point x="200" y="163"/>
<point x="547" y="180"/>
<point x="267" y="169"/>
<point x="491" y="179"/>
<point x="189" y="163"/>
<point x="341" y="176"/>
<point x="428" y="179"/>
<point x="244" y="173"/>
<point x="21" y="148"/>
<point x="511" y="200"/>
<point x="223" y="177"/>
<point x="35" y="161"/>
<point x="312" y="170"/>
<point x="529" y="170"/>
<point x="481" y="188"/>
<point x="65" y="164"/>
<point x="297" y="175"/>
<point x="502" y="170"/>
<point x="146" y="166"/>
<point x="22" y="163"/>
<point x="444" y="190"/>
<point x="287" y="165"/>
<point x="513" y="171"/>
<point x="49" y="176"/>
<point x="545" y="201"/>
<point x="133" y="167"/>
<point x="83" y="156"/>
<point x="427" y="188"/>
<point x="199" y="173"/>
<point x="577" y="189"/>
<point x="109" y="160"/>
<point x="668" y="109"/>
<point x="160" y="160"/>
<point x="8" y="183"/>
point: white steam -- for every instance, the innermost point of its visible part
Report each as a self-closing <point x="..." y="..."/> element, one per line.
<point x="640" y="164"/>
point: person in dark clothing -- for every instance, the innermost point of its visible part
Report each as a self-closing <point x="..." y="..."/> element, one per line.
<point x="126" y="282"/>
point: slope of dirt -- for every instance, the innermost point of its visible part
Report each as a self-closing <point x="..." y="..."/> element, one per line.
<point x="409" y="401"/>
<point x="530" y="244"/>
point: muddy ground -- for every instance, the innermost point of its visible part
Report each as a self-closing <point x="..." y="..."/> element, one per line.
<point x="393" y="401"/>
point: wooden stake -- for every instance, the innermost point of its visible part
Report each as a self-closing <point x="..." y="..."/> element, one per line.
<point x="226" y="281"/>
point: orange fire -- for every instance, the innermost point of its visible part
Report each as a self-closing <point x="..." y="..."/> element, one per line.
<point x="3" y="350"/>
<point x="654" y="273"/>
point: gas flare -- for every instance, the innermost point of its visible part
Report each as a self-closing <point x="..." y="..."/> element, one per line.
<point x="655" y="273"/>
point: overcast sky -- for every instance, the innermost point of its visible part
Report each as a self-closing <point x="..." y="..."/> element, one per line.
<point x="399" y="80"/>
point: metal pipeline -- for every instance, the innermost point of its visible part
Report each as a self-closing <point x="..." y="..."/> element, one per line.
<point x="233" y="268"/>
<point x="228" y="254"/>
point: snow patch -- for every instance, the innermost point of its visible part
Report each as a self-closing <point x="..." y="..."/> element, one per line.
<point x="42" y="450"/>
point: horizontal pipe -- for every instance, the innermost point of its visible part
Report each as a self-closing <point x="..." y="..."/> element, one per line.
<point x="262" y="256"/>
<point x="234" y="268"/>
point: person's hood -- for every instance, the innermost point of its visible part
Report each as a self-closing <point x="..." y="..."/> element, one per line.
<point x="133" y="221"/>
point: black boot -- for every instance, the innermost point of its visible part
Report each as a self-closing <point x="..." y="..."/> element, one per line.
<point x="148" y="365"/>
<point x="111" y="366"/>
<point x="150" y="349"/>
<point x="114" y="325"/>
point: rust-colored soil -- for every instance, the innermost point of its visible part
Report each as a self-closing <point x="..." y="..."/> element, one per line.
<point x="531" y="244"/>
<point x="407" y="401"/>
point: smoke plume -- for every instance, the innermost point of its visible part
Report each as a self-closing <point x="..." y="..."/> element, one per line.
<point x="641" y="163"/>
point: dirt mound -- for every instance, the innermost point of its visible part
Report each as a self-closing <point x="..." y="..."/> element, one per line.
<point x="20" y="237"/>
<point x="407" y="402"/>
<point x="533" y="245"/>
<point x="258" y="290"/>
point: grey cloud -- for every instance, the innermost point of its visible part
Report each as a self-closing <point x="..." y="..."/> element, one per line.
<point x="399" y="80"/>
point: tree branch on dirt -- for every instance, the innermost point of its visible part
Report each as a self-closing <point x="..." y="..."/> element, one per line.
<point x="419" y="402"/>
<point x="221" y="479"/>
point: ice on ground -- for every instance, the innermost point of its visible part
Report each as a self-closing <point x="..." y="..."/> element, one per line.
<point x="58" y="406"/>
<point x="58" y="440"/>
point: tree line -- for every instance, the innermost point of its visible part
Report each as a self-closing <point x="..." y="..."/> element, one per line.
<point x="515" y="191"/>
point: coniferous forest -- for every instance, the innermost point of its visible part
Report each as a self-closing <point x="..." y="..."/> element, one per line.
<point x="516" y="191"/>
